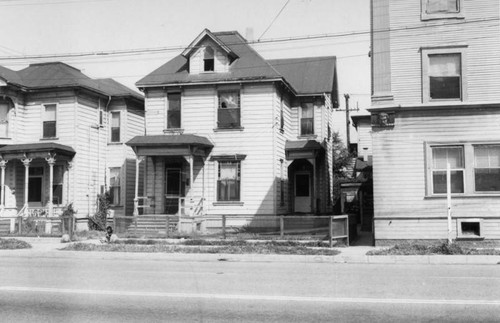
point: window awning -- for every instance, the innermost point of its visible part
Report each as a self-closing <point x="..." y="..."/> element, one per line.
<point x="302" y="149"/>
<point x="36" y="150"/>
<point x="170" y="145"/>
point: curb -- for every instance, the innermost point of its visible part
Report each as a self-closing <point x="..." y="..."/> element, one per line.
<point x="342" y="258"/>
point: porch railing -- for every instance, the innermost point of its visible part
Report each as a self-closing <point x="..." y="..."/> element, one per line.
<point x="191" y="207"/>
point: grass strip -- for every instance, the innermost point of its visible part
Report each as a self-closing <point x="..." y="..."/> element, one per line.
<point x="240" y="248"/>
<point x="441" y="249"/>
<point x="13" y="244"/>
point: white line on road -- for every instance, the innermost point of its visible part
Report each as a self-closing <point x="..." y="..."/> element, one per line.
<point x="252" y="297"/>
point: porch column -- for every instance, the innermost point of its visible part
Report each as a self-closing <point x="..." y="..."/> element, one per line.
<point x="68" y="168"/>
<point x="313" y="190"/>
<point x="191" y="172"/>
<point x="3" y="164"/>
<point x="26" y="162"/>
<point x="51" y="160"/>
<point x="136" y="195"/>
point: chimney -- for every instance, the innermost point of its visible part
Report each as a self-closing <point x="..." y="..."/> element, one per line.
<point x="249" y="34"/>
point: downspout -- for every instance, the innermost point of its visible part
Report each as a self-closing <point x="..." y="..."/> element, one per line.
<point x="105" y="120"/>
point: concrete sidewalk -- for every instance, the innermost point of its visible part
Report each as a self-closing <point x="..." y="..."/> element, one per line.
<point x="50" y="248"/>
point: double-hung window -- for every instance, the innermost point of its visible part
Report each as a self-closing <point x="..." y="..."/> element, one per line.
<point x="474" y="168"/>
<point x="115" y="126"/>
<point x="228" y="181"/>
<point x="174" y="111"/>
<point x="228" y="114"/>
<point x="114" y="186"/>
<point x="306" y="119"/>
<point x="49" y="121"/>
<point x="208" y="60"/>
<point x="4" y="119"/>
<point x="444" y="74"/>
<point x="487" y="168"/>
<point x="441" y="9"/>
<point x="57" y="185"/>
<point x="441" y="157"/>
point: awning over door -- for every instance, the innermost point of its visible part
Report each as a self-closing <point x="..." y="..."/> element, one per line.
<point x="170" y="145"/>
<point x="302" y="149"/>
<point x="36" y="150"/>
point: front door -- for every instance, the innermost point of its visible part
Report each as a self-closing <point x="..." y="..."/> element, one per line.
<point x="172" y="190"/>
<point x="302" y="193"/>
<point x="35" y="182"/>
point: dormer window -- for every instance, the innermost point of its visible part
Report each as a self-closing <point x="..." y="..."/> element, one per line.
<point x="208" y="60"/>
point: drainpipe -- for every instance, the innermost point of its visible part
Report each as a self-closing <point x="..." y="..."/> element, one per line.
<point x="107" y="139"/>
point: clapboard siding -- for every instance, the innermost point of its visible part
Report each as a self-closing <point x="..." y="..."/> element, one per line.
<point x="482" y="63"/>
<point x="399" y="162"/>
<point x="155" y="111"/>
<point x="196" y="60"/>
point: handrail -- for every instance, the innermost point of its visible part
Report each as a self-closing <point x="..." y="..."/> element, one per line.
<point x="21" y="212"/>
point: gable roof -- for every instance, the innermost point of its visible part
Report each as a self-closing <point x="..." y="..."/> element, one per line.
<point x="209" y="34"/>
<point x="248" y="66"/>
<point x="305" y="76"/>
<point x="58" y="74"/>
<point x="308" y="75"/>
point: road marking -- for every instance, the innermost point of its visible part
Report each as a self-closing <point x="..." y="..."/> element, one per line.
<point x="253" y="297"/>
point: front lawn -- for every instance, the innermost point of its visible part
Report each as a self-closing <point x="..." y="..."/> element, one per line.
<point x="441" y="249"/>
<point x="13" y="244"/>
<point x="203" y="246"/>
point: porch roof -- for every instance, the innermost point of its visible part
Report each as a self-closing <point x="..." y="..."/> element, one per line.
<point x="170" y="145"/>
<point x="302" y="149"/>
<point x="13" y="151"/>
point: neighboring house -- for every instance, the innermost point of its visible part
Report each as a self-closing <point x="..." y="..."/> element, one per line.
<point x="62" y="138"/>
<point x="363" y="126"/>
<point x="237" y="134"/>
<point x="436" y="102"/>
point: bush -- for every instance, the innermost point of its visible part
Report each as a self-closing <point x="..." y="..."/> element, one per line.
<point x="98" y="221"/>
<point x="13" y="244"/>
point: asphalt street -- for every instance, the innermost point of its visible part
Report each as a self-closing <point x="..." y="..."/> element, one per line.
<point x="133" y="289"/>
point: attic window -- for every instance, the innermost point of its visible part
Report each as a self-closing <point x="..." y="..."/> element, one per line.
<point x="208" y="60"/>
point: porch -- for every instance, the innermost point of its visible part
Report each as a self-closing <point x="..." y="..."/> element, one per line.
<point x="34" y="181"/>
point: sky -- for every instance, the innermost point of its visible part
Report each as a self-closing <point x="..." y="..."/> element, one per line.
<point x="148" y="33"/>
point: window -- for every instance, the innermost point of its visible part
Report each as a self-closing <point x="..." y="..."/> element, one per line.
<point x="441" y="9"/>
<point x="114" y="186"/>
<point x="208" y="59"/>
<point x="307" y="119"/>
<point x="115" y="126"/>
<point x="228" y="183"/>
<point x="487" y="168"/>
<point x="4" y="119"/>
<point x="441" y="156"/>
<point x="469" y="228"/>
<point x="57" y="185"/>
<point x="174" y="111"/>
<point x="228" y="115"/>
<point x="444" y="74"/>
<point x="474" y="167"/>
<point x="101" y="118"/>
<point x="49" y="120"/>
<point x="282" y="117"/>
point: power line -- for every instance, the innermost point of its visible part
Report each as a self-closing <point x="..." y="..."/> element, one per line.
<point x="274" y="19"/>
<point x="271" y="40"/>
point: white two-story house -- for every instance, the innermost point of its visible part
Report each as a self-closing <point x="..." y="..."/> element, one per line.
<point x="228" y="132"/>
<point x="62" y="138"/>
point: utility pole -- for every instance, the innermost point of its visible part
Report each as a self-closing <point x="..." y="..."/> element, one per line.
<point x="347" y="123"/>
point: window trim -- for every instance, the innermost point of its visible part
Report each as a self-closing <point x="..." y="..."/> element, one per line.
<point x="8" y="120"/>
<point x="469" y="166"/>
<point x="120" y="186"/>
<point x="43" y="108"/>
<point x="301" y="135"/>
<point x="229" y="90"/>
<point x="168" y="109"/>
<point x="119" y="113"/>
<point x="238" y="162"/>
<point x="441" y="15"/>
<point x="426" y="52"/>
<point x="461" y="235"/>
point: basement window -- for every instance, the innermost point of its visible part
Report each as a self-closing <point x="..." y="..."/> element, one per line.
<point x="469" y="228"/>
